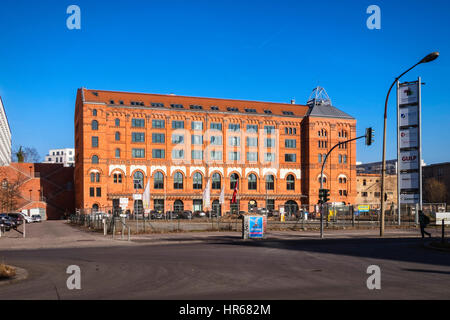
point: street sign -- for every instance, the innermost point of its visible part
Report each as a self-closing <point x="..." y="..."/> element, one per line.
<point x="408" y="160"/>
<point x="123" y="201"/>
<point x="409" y="137"/>
<point x="409" y="148"/>
<point x="254" y="227"/>
<point x="410" y="198"/>
<point x="364" y="208"/>
<point x="137" y="196"/>
<point x="442" y="216"/>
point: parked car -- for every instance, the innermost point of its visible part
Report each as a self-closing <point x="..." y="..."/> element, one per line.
<point x="26" y="217"/>
<point x="36" y="218"/>
<point x="7" y="222"/>
<point x="154" y="214"/>
<point x="199" y="214"/>
<point x="186" y="214"/>
<point x="171" y="215"/>
<point x="16" y="218"/>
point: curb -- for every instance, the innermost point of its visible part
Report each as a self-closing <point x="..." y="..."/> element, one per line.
<point x="21" y="274"/>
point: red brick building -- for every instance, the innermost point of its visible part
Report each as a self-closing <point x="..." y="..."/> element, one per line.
<point x="49" y="187"/>
<point x="177" y="144"/>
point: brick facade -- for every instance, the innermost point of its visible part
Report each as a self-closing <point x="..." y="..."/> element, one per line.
<point x="126" y="121"/>
<point x="46" y="186"/>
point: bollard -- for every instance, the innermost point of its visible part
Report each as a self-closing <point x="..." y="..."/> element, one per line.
<point x="443" y="230"/>
<point x="104" y="227"/>
<point x="129" y="233"/>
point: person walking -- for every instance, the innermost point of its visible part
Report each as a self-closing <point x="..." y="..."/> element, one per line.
<point x="423" y="221"/>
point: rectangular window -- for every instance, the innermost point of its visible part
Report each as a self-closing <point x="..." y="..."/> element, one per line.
<point x="158" y="154"/>
<point x="252" y="156"/>
<point x="252" y="128"/>
<point x="234" y="155"/>
<point x="197" y="125"/>
<point x="252" y="142"/>
<point x="364" y="194"/>
<point x="158" y="124"/>
<point x="216" y="126"/>
<point x="268" y="156"/>
<point x="216" y="155"/>
<point x="290" y="157"/>
<point x="138" y="153"/>
<point x="177" y="138"/>
<point x="234" y="141"/>
<point x="234" y="127"/>
<point x="178" y="154"/>
<point x="158" y="138"/>
<point x="216" y="140"/>
<point x="94" y="142"/>
<point x="290" y="143"/>
<point x="138" y="123"/>
<point x="177" y="124"/>
<point x="197" y="154"/>
<point x="99" y="192"/>
<point x="138" y="137"/>
<point x="197" y="139"/>
<point x="157" y="105"/>
<point x="269" y="143"/>
<point x="92" y="192"/>
<point x="269" y="129"/>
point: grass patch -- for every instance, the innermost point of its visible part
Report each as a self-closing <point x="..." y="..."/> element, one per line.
<point x="6" y="272"/>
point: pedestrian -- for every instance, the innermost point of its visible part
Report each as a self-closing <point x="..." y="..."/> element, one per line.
<point x="423" y="221"/>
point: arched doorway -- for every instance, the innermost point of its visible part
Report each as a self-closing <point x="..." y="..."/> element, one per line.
<point x="95" y="208"/>
<point x="291" y="207"/>
<point x="178" y="206"/>
<point x="252" y="205"/>
<point x="217" y="208"/>
<point x="234" y="207"/>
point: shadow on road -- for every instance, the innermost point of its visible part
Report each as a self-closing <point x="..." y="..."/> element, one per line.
<point x="398" y="249"/>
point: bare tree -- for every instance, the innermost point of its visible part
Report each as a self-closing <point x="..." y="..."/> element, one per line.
<point x="26" y="154"/>
<point x="434" y="191"/>
<point x="9" y="191"/>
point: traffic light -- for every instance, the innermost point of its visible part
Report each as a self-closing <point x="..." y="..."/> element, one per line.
<point x="327" y="195"/>
<point x="324" y="195"/>
<point x="370" y="133"/>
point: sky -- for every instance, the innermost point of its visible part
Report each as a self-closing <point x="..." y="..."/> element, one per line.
<point x="271" y="51"/>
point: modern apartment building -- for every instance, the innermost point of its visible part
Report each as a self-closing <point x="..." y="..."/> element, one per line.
<point x="179" y="145"/>
<point x="61" y="156"/>
<point x="5" y="137"/>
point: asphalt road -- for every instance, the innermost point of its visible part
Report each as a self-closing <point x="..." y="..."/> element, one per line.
<point x="296" y="266"/>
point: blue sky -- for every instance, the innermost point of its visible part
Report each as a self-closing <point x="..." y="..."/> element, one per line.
<point x="252" y="50"/>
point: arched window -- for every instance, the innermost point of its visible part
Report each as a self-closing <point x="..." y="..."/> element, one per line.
<point x="320" y="158"/>
<point x="4" y="184"/>
<point x="178" y="180"/>
<point x="117" y="122"/>
<point x="158" y="180"/>
<point x="117" y="153"/>
<point x="138" y="180"/>
<point x="270" y="182"/>
<point x="324" y="179"/>
<point x="94" y="112"/>
<point x="94" y="125"/>
<point x="95" y="207"/>
<point x="117" y="178"/>
<point x="92" y="177"/>
<point x="252" y="182"/>
<point x="198" y="181"/>
<point x="94" y="159"/>
<point x="117" y="136"/>
<point x="233" y="180"/>
<point x="290" y="182"/>
<point x="97" y="177"/>
<point x="178" y="206"/>
<point x="216" y="181"/>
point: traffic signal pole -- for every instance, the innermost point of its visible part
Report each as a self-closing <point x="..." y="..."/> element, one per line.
<point x="321" y="177"/>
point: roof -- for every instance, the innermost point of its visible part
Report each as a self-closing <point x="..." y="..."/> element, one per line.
<point x="114" y="98"/>
<point x="327" y="111"/>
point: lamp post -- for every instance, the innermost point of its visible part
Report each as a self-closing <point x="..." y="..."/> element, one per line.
<point x="430" y="57"/>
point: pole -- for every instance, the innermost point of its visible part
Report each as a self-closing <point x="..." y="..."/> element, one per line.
<point x="443" y="230"/>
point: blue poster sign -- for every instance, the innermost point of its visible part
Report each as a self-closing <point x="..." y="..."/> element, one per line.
<point x="256" y="227"/>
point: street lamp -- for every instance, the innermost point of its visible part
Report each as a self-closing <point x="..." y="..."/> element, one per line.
<point x="430" y="57"/>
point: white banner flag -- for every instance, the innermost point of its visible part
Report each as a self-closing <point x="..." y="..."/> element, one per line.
<point x="146" y="198"/>
<point x="222" y="195"/>
<point x="207" y="195"/>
